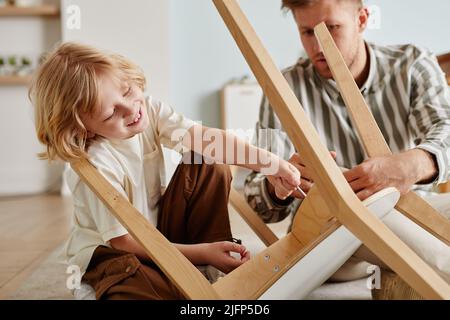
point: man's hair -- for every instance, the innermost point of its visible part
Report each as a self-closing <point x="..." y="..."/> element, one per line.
<point x="65" y="85"/>
<point x="291" y="4"/>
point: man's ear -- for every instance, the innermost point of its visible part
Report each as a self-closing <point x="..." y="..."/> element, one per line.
<point x="363" y="19"/>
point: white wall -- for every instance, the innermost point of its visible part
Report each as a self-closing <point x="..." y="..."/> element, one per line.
<point x="20" y="170"/>
<point x="137" y="29"/>
<point x="424" y="23"/>
<point x="204" y="56"/>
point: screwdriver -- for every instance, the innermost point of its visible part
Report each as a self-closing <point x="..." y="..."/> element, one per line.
<point x="301" y="191"/>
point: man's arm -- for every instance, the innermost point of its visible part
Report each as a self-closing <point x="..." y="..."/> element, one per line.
<point x="429" y="122"/>
<point x="430" y="116"/>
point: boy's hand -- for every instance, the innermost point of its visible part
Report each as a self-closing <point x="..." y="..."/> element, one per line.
<point x="282" y="190"/>
<point x="286" y="180"/>
<point x="218" y="255"/>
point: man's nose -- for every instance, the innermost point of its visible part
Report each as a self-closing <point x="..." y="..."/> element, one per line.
<point x="317" y="47"/>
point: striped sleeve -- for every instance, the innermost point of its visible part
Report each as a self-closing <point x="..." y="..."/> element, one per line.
<point x="430" y="112"/>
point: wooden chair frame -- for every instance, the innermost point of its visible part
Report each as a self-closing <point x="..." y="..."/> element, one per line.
<point x="411" y="205"/>
<point x="444" y="63"/>
<point x="330" y="203"/>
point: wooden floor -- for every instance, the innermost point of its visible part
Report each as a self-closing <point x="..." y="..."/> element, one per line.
<point x="30" y="229"/>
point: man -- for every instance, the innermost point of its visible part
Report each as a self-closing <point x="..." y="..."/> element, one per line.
<point x="408" y="96"/>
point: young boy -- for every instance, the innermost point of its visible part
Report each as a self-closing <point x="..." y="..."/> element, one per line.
<point x="91" y="104"/>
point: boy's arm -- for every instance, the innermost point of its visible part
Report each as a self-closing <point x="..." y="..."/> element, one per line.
<point x="193" y="252"/>
<point x="258" y="191"/>
<point x="216" y="254"/>
<point x="220" y="146"/>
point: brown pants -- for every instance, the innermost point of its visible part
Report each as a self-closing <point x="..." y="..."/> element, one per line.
<point x="194" y="209"/>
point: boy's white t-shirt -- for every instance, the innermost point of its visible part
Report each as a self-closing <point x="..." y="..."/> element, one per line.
<point x="135" y="167"/>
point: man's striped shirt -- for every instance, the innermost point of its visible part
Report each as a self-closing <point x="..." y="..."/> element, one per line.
<point x="407" y="93"/>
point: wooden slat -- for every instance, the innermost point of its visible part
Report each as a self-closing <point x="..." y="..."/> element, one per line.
<point x="313" y="217"/>
<point x="175" y="265"/>
<point x="332" y="184"/>
<point x="253" y="278"/>
<point x="411" y="205"/>
<point x="43" y="10"/>
<point x="312" y="224"/>
<point x="14" y="80"/>
<point x="444" y="188"/>
<point x="443" y="59"/>
<point x="310" y="227"/>
<point x="444" y="62"/>
<point x="251" y="218"/>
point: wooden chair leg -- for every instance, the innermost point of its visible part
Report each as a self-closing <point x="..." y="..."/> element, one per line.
<point x="411" y="205"/>
<point x="394" y="288"/>
<point x="237" y="200"/>
<point x="445" y="188"/>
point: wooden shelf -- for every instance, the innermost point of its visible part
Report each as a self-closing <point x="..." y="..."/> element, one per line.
<point x="15" y="80"/>
<point x="43" y="10"/>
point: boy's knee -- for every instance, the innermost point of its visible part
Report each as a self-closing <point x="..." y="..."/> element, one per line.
<point x="224" y="171"/>
<point x="197" y="165"/>
<point x="218" y="172"/>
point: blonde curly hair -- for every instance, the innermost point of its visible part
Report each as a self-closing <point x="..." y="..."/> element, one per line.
<point x="65" y="85"/>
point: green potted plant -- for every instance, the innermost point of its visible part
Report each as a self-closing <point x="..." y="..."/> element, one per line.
<point x="11" y="65"/>
<point x="25" y="67"/>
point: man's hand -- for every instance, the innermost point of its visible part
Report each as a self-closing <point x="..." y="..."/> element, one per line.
<point x="276" y="190"/>
<point x="401" y="171"/>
